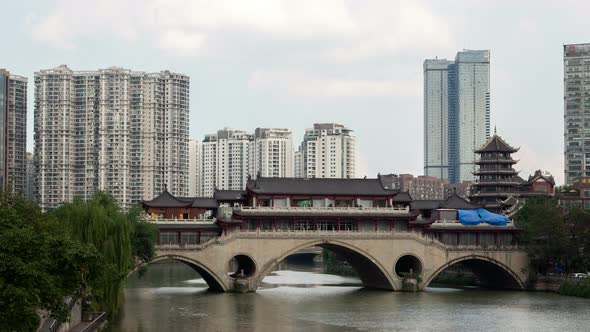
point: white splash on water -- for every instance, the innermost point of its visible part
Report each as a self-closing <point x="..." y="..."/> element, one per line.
<point x="198" y="281"/>
<point x="179" y="290"/>
<point x="288" y="277"/>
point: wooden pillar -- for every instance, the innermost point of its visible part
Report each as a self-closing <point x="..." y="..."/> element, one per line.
<point x="476" y="238"/>
<point x="495" y="239"/>
<point x="179" y="237"/>
<point x="376" y="224"/>
<point x="198" y="237"/>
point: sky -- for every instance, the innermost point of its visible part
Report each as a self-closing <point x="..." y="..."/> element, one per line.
<point x="289" y="64"/>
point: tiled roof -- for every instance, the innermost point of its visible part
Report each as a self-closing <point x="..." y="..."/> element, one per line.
<point x="319" y="186"/>
<point x="496" y="144"/>
<point x="425" y="204"/>
<point x="230" y="195"/>
<point x="457" y="202"/>
<point x="165" y="199"/>
<point x="403" y="196"/>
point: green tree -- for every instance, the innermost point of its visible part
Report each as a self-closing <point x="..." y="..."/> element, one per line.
<point x="39" y="265"/>
<point x="143" y="235"/>
<point x="545" y="233"/>
<point x="102" y="223"/>
<point x="578" y="224"/>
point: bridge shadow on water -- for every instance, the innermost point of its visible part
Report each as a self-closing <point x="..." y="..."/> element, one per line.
<point x="475" y="272"/>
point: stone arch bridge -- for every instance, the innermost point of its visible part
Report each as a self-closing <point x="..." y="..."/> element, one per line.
<point x="239" y="261"/>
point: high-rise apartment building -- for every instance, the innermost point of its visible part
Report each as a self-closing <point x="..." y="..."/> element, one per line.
<point x="456" y="114"/>
<point x="436" y="118"/>
<point x="328" y="150"/>
<point x="230" y="157"/>
<point x="225" y="161"/>
<point x="194" y="168"/>
<point x="272" y="152"/>
<point x="576" y="61"/>
<point x="13" y="131"/>
<point x="117" y="130"/>
<point x="29" y="191"/>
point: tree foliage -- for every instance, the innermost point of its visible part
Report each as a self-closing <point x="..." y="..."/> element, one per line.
<point x="123" y="239"/>
<point x="101" y="223"/>
<point x="39" y="265"/>
<point x="144" y="235"/>
<point x="557" y="238"/>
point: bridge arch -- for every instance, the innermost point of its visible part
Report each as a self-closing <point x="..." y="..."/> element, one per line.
<point x="214" y="282"/>
<point x="408" y="263"/>
<point x="371" y="272"/>
<point x="489" y="271"/>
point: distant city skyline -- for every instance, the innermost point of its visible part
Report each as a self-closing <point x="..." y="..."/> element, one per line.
<point x="283" y="65"/>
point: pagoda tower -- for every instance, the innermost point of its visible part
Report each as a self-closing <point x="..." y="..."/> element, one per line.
<point x="497" y="178"/>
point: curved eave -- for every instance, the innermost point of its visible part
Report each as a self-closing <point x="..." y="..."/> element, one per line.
<point x="500" y="172"/>
<point x="496" y="161"/>
<point x="164" y="206"/>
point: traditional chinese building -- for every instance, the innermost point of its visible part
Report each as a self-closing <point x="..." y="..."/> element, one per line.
<point x="325" y="204"/>
<point x="497" y="179"/>
<point x="183" y="220"/>
<point x="576" y="195"/>
<point x="322" y="205"/>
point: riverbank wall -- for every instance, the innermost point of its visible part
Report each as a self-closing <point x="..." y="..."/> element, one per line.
<point x="563" y="286"/>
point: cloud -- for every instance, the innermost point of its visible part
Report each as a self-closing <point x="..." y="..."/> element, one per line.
<point x="183" y="43"/>
<point x="531" y="160"/>
<point x="298" y="83"/>
<point x="341" y="29"/>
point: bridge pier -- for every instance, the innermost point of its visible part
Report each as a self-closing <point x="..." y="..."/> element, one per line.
<point x="243" y="285"/>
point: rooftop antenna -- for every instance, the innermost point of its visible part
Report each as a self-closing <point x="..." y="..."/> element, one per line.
<point x="494" y="130"/>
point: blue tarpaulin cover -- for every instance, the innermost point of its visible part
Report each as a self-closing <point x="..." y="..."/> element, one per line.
<point x="492" y="218"/>
<point x="469" y="217"/>
<point x="475" y="217"/>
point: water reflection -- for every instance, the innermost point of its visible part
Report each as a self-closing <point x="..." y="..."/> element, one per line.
<point x="172" y="297"/>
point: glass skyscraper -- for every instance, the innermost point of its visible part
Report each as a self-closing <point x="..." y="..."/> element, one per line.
<point x="456" y="114"/>
<point x="436" y="118"/>
<point x="576" y="61"/>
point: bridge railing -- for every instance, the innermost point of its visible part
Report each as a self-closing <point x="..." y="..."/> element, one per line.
<point x="327" y="208"/>
<point x="197" y="221"/>
<point x="398" y="235"/>
<point x="259" y="234"/>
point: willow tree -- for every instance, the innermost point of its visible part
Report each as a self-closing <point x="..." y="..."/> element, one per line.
<point x="102" y="223"/>
<point x="39" y="265"/>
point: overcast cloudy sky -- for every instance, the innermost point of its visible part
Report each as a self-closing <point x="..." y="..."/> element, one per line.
<point x="289" y="64"/>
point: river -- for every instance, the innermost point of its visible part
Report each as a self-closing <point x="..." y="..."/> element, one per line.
<point x="172" y="297"/>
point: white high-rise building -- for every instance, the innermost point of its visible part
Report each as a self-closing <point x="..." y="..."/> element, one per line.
<point x="116" y="130"/>
<point x="194" y="168"/>
<point x="272" y="153"/>
<point x="225" y="161"/>
<point x="328" y="150"/>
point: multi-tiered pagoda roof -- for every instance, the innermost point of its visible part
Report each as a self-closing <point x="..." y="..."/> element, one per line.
<point x="497" y="178"/>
